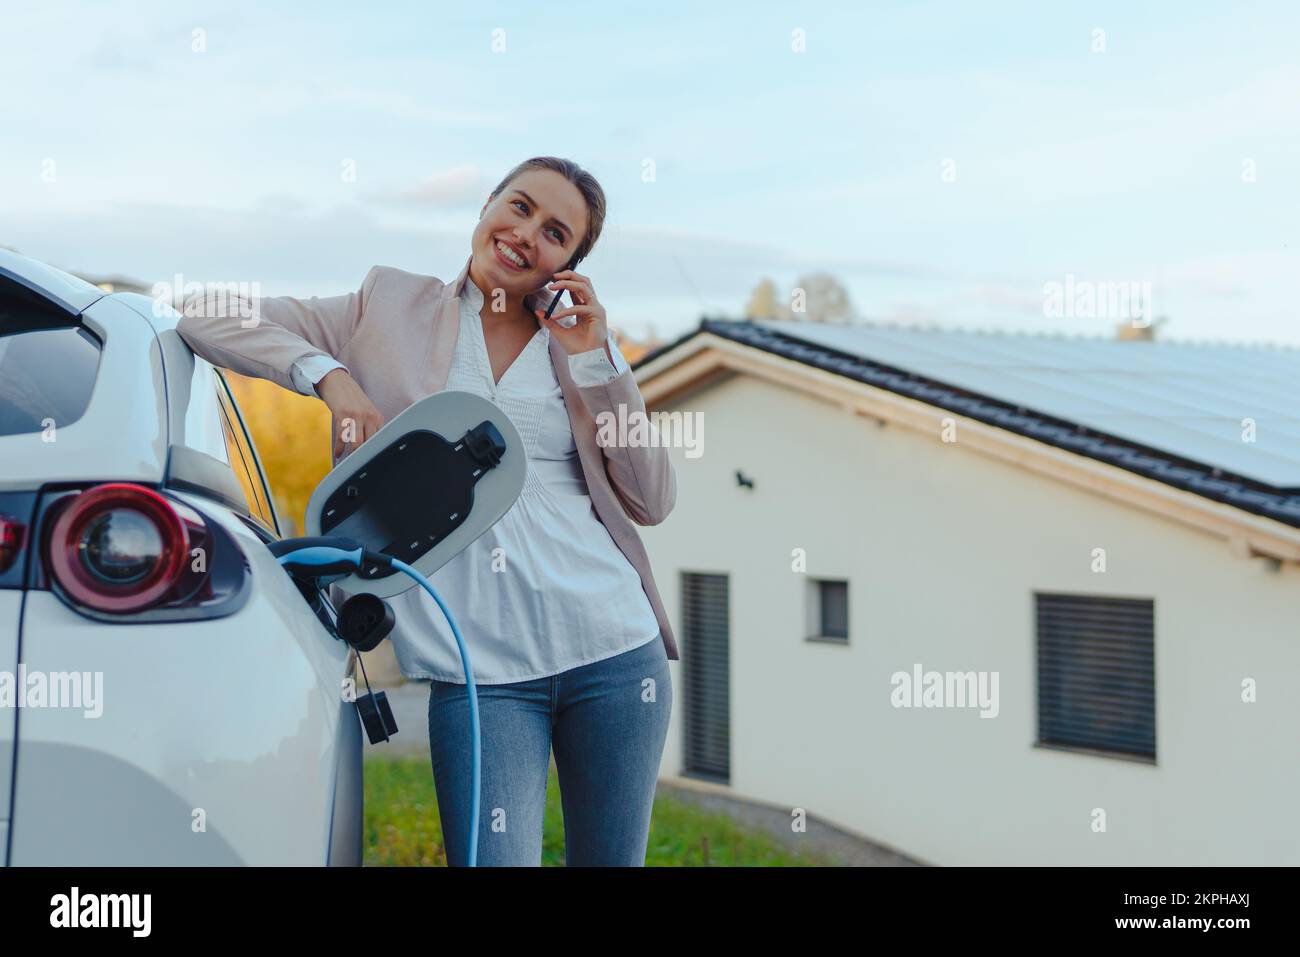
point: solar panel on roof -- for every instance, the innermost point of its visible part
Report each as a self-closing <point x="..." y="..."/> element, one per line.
<point x="1192" y="400"/>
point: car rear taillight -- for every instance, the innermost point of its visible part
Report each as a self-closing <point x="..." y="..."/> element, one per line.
<point x="11" y="541"/>
<point x="118" y="547"/>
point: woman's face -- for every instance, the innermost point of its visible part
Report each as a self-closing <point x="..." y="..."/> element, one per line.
<point x="543" y="218"/>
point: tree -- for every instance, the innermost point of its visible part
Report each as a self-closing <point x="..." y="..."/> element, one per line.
<point x="819" y="297"/>
<point x="763" y="302"/>
<point x="293" y="439"/>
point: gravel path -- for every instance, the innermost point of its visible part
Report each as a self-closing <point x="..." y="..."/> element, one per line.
<point x="410" y="704"/>
<point x="846" y="850"/>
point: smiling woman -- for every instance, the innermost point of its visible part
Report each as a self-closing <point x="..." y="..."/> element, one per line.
<point x="557" y="603"/>
<point x="566" y="208"/>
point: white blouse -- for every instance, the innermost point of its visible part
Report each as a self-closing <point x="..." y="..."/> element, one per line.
<point x="545" y="589"/>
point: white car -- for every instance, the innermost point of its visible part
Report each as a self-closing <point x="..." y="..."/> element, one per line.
<point x="168" y="694"/>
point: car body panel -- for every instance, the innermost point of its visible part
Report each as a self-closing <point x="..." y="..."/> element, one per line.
<point x="254" y="753"/>
<point x="237" y="721"/>
<point x="18" y="506"/>
<point x="348" y="810"/>
<point x="11" y="606"/>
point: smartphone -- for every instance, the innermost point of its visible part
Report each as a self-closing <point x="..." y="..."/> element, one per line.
<point x="562" y="296"/>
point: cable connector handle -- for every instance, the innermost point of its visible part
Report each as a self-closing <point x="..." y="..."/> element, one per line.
<point x="319" y="556"/>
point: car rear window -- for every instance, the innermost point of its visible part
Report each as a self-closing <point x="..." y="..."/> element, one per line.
<point x="46" y="375"/>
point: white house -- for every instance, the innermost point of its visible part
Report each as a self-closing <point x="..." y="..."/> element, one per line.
<point x="987" y="598"/>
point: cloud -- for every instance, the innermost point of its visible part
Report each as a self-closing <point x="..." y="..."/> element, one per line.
<point x="281" y="203"/>
<point x="115" y="56"/>
<point x="457" y="188"/>
<point x="657" y="278"/>
<point x="645" y="277"/>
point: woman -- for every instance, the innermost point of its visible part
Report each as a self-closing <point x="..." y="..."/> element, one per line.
<point x="566" y="629"/>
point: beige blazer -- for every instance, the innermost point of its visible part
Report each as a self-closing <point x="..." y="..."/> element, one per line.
<point x="396" y="335"/>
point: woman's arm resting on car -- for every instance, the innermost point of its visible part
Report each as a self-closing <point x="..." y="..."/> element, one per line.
<point x="266" y="336"/>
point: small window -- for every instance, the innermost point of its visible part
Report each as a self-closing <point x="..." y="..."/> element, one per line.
<point x="243" y="459"/>
<point x="1096" y="674"/>
<point x="828" y="610"/>
<point x="46" y="377"/>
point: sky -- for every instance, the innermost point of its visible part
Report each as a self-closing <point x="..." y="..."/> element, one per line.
<point x="946" y="162"/>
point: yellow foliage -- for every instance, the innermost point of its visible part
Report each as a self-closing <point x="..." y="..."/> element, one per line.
<point x="292" y="435"/>
<point x="632" y="350"/>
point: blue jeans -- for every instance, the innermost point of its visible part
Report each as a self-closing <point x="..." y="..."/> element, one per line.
<point x="607" y="722"/>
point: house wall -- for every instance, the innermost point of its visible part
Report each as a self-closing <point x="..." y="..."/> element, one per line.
<point x="943" y="548"/>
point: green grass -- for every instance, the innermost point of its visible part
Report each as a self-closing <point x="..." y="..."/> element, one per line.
<point x="402" y="827"/>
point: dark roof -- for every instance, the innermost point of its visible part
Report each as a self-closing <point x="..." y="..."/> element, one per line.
<point x="1201" y="478"/>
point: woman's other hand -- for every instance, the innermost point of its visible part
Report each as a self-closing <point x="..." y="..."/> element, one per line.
<point x="591" y="329"/>
<point x="356" y="415"/>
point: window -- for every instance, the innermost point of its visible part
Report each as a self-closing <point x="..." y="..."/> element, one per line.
<point x="1096" y="673"/>
<point x="46" y="375"/>
<point x="243" y="459"/>
<point x="827" y="605"/>
<point x="706" y="653"/>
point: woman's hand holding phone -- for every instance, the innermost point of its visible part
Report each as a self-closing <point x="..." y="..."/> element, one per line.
<point x="356" y="416"/>
<point x="590" y="331"/>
